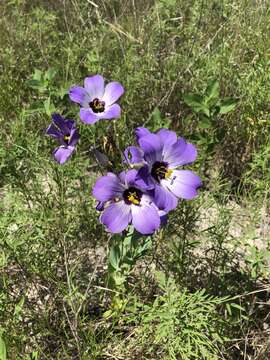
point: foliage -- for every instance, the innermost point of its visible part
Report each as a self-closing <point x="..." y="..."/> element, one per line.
<point x="124" y="254"/>
<point x="209" y="107"/>
<point x="181" y="324"/>
<point x="55" y="302"/>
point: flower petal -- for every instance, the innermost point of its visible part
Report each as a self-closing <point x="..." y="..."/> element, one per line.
<point x="88" y="117"/>
<point x="94" y="85"/>
<point x="133" y="155"/>
<point x="53" y="131"/>
<point x="112" y="93"/>
<point x="180" y="153"/>
<point x="79" y="95"/>
<point x="140" y="132"/>
<point x="145" y="217"/>
<point x="164" y="199"/>
<point x="116" y="217"/>
<point x="128" y="177"/>
<point x="58" y="120"/>
<point x="163" y="217"/>
<point x="64" y="125"/>
<point x="107" y="188"/>
<point x="144" y="180"/>
<point x="62" y="154"/>
<point x="168" y="137"/>
<point x="100" y="206"/>
<point x="112" y="112"/>
<point x="74" y="137"/>
<point x="183" y="184"/>
<point x="152" y="147"/>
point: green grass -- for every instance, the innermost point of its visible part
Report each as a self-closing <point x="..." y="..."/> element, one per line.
<point x="54" y="301"/>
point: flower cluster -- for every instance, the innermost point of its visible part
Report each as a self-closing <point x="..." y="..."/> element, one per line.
<point x="97" y="102"/>
<point x="145" y="194"/>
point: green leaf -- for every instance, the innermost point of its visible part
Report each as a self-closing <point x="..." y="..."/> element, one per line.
<point x="156" y="115"/>
<point x="50" y="74"/>
<point x="205" y="123"/>
<point x="237" y="306"/>
<point x="196" y="102"/>
<point x="48" y="107"/>
<point x="18" y="307"/>
<point x="227" y="105"/>
<point x="228" y="306"/>
<point x="193" y="100"/>
<point x="212" y="90"/>
<point x="61" y="92"/>
<point x="34" y="84"/>
<point x="161" y="279"/>
<point x="3" y="350"/>
<point x="3" y="259"/>
<point x="158" y="121"/>
<point x="37" y="75"/>
<point x="114" y="257"/>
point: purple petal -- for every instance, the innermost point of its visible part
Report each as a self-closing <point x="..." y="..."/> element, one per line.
<point x="183" y="184"/>
<point x="145" y="218"/>
<point x="144" y="179"/>
<point x="168" y="137"/>
<point x="116" y="217"/>
<point x="112" y="112"/>
<point x="53" y="131"/>
<point x="140" y="132"/>
<point x="94" y="85"/>
<point x="100" y="206"/>
<point x="112" y="93"/>
<point x="180" y="153"/>
<point x="152" y="147"/>
<point x="133" y="155"/>
<point x="64" y="125"/>
<point x="128" y="177"/>
<point x="62" y="154"/>
<point x="74" y="137"/>
<point x="163" y="217"/>
<point x="79" y="95"/>
<point x="108" y="188"/>
<point x="58" y="120"/>
<point x="164" y="199"/>
<point x="87" y="116"/>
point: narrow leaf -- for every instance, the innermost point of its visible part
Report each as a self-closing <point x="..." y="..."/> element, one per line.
<point x="3" y="350"/>
<point x="212" y="90"/>
<point x="227" y="105"/>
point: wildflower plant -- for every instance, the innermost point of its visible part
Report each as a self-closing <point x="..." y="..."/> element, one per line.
<point x="97" y="101"/>
<point x="135" y="203"/>
<point x="65" y="131"/>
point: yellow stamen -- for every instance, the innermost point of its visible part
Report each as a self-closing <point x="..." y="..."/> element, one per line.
<point x="168" y="173"/>
<point x="66" y="137"/>
<point x="133" y="198"/>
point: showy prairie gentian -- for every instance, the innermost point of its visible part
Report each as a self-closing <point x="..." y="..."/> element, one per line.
<point x="123" y="203"/>
<point x="97" y="102"/>
<point x="65" y="132"/>
<point x="160" y="155"/>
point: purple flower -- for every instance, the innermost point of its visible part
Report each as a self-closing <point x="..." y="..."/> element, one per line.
<point x="123" y="202"/>
<point x="97" y="102"/>
<point x="162" y="153"/>
<point x="65" y="132"/>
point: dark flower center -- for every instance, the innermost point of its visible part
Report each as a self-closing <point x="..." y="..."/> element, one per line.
<point x="132" y="195"/>
<point x="160" y="171"/>
<point x="97" y="105"/>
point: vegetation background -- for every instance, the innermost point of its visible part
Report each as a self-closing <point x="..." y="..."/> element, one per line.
<point x="202" y="292"/>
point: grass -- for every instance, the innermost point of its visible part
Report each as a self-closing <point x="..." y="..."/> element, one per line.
<point x="212" y="258"/>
